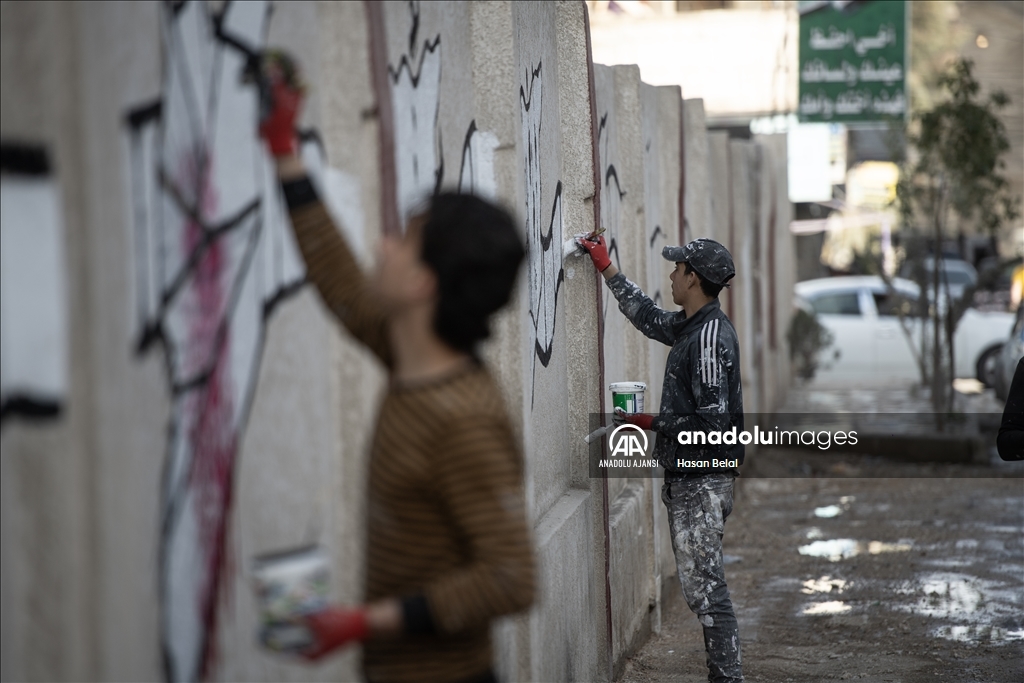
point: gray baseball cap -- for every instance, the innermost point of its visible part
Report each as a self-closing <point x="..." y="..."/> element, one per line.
<point x="711" y="260"/>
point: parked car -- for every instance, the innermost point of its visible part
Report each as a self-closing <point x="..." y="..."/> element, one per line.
<point x="1011" y="352"/>
<point x="870" y="347"/>
<point x="960" y="274"/>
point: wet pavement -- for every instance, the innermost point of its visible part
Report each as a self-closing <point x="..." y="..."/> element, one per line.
<point x="890" y="571"/>
<point x="897" y="580"/>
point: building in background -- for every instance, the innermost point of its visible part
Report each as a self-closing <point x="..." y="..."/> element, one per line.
<point x="743" y="60"/>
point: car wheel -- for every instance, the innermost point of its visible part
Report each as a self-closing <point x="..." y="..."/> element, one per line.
<point x="986" y="367"/>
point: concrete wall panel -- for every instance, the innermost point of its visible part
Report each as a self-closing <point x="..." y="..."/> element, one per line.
<point x="567" y="627"/>
<point x="720" y="227"/>
<point x="740" y="307"/>
<point x="662" y="179"/>
<point x="781" y="270"/>
<point x="46" y="504"/>
<point x="696" y="171"/>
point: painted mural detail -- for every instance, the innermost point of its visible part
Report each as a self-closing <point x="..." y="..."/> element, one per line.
<point x="33" y="286"/>
<point x="476" y="172"/>
<point x="657" y="237"/>
<point x="654" y="247"/>
<point x="415" y="100"/>
<point x="611" y="204"/>
<point x="214" y="255"/>
<point x="543" y="237"/>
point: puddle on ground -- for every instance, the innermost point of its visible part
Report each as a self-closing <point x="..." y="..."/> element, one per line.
<point x="834" y="549"/>
<point x="841" y="548"/>
<point x="825" y="584"/>
<point x="960" y="597"/>
<point x="828" y="511"/>
<point x="1000" y="529"/>
<point x="831" y="607"/>
<point x="948" y="562"/>
<point x="978" y="634"/>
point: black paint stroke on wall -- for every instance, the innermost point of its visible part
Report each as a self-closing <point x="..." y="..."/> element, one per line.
<point x="31" y="160"/>
<point x="610" y="175"/>
<point x="406" y="65"/>
<point x="546" y="274"/>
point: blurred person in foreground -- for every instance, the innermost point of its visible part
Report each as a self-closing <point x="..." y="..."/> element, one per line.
<point x="1010" y="442"/>
<point x="702" y="393"/>
<point x="448" y="546"/>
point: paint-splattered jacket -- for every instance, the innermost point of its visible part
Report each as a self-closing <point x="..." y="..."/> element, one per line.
<point x="702" y="391"/>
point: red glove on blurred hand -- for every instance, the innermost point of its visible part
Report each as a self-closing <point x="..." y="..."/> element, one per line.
<point x="334" y="627"/>
<point x="598" y="251"/>
<point x="277" y="127"/>
<point x="641" y="420"/>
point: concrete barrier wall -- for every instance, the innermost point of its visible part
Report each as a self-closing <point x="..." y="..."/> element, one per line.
<point x="211" y="358"/>
<point x="697" y="179"/>
<point x="662" y="182"/>
<point x="567" y="627"/>
<point x="780" y="275"/>
<point x="621" y="161"/>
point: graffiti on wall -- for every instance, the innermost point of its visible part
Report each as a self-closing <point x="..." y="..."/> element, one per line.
<point x="543" y="237"/>
<point x="656" y="238"/>
<point x="415" y="100"/>
<point x="33" y="299"/>
<point x="214" y="255"/>
<point x="612" y="195"/>
<point x="476" y="172"/>
<point x="415" y="80"/>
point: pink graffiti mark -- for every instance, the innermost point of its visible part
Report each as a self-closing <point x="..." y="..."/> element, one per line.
<point x="209" y="409"/>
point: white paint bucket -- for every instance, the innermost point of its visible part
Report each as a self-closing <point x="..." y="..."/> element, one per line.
<point x="628" y="395"/>
<point x="289" y="585"/>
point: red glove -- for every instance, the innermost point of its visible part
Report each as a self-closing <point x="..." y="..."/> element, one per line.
<point x="280" y="78"/>
<point x="598" y="251"/>
<point x="335" y="627"/>
<point x="641" y="420"/>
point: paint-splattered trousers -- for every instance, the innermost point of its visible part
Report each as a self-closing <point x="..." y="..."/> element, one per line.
<point x="697" y="510"/>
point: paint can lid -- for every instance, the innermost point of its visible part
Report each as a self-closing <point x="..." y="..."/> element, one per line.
<point x="627" y="387"/>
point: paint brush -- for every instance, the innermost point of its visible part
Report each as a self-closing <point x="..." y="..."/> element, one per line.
<point x="571" y="247"/>
<point x="597" y="434"/>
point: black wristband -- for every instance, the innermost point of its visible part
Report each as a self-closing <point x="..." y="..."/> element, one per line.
<point x="416" y="614"/>
<point x="298" y="192"/>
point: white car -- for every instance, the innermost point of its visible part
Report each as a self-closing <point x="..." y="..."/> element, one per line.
<point x="871" y="349"/>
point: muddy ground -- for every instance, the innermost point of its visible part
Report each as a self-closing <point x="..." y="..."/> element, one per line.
<point x="893" y="572"/>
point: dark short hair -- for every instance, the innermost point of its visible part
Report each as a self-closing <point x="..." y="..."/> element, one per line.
<point x="709" y="288"/>
<point x="475" y="251"/>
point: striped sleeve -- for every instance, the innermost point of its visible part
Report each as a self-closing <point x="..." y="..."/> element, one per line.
<point x="710" y="363"/>
<point x="334" y="271"/>
<point x="479" y="477"/>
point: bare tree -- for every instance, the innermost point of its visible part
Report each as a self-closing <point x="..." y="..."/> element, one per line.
<point x="955" y="173"/>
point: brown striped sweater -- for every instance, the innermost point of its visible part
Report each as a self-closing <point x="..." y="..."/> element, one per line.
<point x="446" y="515"/>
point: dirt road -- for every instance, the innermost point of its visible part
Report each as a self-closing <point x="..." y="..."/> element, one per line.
<point x="908" y="573"/>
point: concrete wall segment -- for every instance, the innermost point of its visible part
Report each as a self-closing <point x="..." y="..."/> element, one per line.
<point x="718" y="185"/>
<point x="662" y="181"/>
<point x="781" y="266"/>
<point x="696" y="167"/>
<point x="742" y="225"/>
<point x="46" y="511"/>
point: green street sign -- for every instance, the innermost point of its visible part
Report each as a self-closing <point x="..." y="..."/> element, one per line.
<point x="853" y="61"/>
